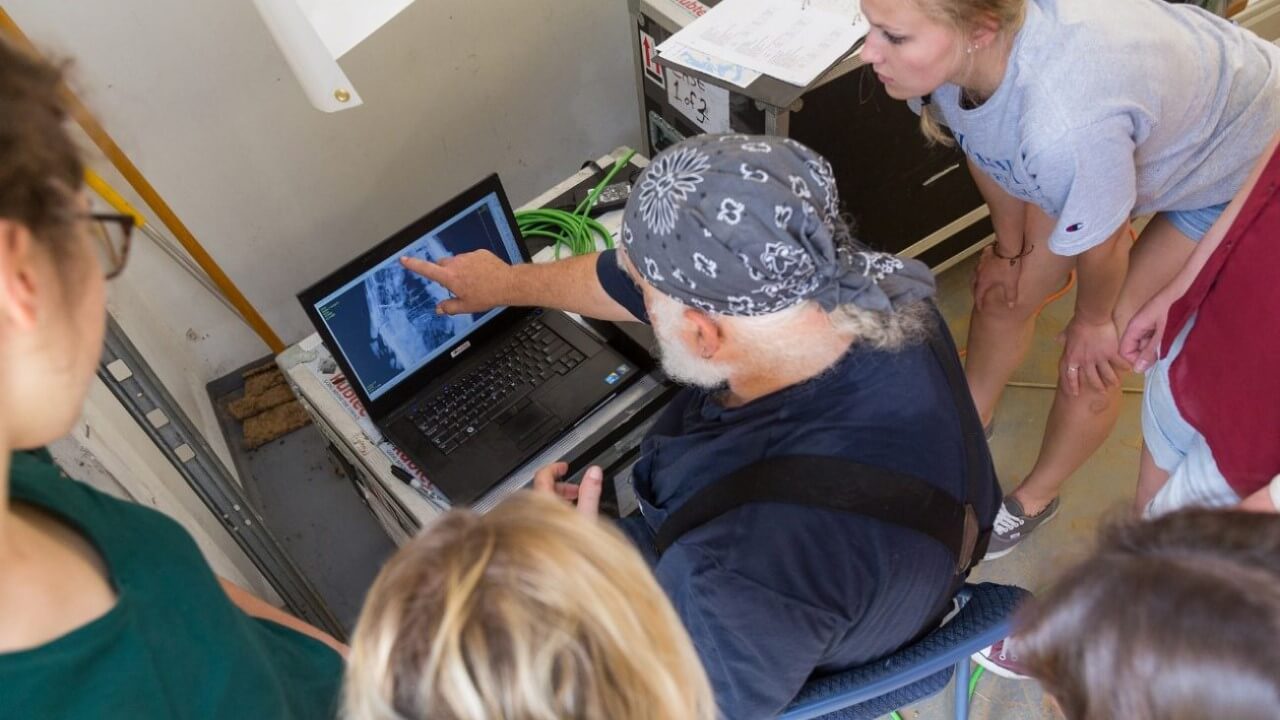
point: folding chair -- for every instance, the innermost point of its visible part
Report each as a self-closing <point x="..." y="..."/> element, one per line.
<point x="918" y="670"/>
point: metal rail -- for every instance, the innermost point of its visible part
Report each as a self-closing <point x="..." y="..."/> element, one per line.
<point x="132" y="381"/>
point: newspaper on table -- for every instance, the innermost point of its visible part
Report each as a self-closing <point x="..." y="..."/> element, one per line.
<point x="794" y="41"/>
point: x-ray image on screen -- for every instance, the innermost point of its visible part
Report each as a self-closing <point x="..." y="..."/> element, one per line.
<point x="385" y="321"/>
<point x="403" y="324"/>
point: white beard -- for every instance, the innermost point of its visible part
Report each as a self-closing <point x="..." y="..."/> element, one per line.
<point x="681" y="365"/>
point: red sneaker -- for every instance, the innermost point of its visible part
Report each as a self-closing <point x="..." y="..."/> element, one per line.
<point x="1002" y="659"/>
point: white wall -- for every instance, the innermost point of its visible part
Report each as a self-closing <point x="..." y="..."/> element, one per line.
<point x="280" y="194"/>
<point x="198" y="95"/>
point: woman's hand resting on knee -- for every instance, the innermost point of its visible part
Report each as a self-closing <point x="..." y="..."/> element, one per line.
<point x="994" y="274"/>
<point x="1090" y="352"/>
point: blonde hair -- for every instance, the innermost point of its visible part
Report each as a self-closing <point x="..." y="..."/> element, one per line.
<point x="963" y="16"/>
<point x="529" y="612"/>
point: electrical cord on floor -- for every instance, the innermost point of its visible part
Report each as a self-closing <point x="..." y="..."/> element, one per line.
<point x="575" y="230"/>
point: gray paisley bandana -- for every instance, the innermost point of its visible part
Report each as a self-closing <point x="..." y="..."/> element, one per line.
<point x="747" y="225"/>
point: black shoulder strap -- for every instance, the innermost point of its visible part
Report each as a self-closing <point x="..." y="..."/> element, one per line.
<point x="976" y="454"/>
<point x="840" y="484"/>
<point x="830" y="483"/>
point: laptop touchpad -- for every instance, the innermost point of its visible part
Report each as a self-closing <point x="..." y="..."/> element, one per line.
<point x="529" y="425"/>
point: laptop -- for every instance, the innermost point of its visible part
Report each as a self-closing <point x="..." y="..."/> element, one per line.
<point x="469" y="398"/>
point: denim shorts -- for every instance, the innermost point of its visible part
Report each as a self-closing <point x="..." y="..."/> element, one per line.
<point x="1195" y="223"/>
<point x="1177" y="447"/>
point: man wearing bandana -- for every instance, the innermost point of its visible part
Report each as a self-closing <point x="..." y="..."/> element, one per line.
<point x="794" y="339"/>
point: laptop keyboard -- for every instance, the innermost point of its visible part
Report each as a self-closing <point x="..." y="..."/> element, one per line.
<point x="497" y="389"/>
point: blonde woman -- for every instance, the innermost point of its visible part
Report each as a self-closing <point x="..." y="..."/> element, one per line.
<point x="528" y="612"/>
<point x="1075" y="116"/>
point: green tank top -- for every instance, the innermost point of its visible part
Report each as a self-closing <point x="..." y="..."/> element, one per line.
<point x="174" y="646"/>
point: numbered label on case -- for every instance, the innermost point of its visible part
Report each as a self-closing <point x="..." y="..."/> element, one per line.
<point x="705" y="104"/>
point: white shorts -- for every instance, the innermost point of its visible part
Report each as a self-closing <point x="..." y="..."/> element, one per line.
<point x="1177" y="447"/>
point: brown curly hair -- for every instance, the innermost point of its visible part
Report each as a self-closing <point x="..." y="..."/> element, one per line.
<point x="40" y="165"/>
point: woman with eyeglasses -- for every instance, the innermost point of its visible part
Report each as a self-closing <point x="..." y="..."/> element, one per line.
<point x="107" y="609"/>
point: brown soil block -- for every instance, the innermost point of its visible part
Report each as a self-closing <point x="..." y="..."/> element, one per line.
<point x="250" y="405"/>
<point x="259" y="381"/>
<point x="274" y="423"/>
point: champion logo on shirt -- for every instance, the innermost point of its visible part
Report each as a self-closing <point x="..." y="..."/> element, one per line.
<point x="1075" y="228"/>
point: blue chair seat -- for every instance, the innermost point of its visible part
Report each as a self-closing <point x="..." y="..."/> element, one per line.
<point x="919" y="670"/>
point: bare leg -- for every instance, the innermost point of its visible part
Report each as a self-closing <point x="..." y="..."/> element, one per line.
<point x="1000" y="336"/>
<point x="1078" y="426"/>
<point x="1155" y="259"/>
<point x="1160" y="254"/>
<point x="1150" y="479"/>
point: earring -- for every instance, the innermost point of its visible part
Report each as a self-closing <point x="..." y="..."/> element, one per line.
<point x="970" y="49"/>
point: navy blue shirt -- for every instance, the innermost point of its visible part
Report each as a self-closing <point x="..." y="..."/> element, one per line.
<point x="772" y="593"/>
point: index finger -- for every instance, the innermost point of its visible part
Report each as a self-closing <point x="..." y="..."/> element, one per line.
<point x="1130" y="346"/>
<point x="545" y="479"/>
<point x="425" y="268"/>
<point x="1108" y="373"/>
<point x="1120" y="362"/>
<point x="1094" y="376"/>
<point x="1147" y="356"/>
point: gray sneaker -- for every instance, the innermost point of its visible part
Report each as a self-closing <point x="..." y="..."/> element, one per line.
<point x="1013" y="524"/>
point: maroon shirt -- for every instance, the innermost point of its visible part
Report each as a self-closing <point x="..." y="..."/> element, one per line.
<point x="1226" y="380"/>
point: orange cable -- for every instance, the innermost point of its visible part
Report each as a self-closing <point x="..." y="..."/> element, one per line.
<point x="103" y="140"/>
<point x="1066" y="288"/>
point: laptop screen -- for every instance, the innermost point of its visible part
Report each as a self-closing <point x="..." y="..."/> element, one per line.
<point x="384" y="321"/>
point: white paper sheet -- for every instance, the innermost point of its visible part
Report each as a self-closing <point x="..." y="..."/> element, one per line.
<point x="851" y="9"/>
<point x="731" y="73"/>
<point x="791" y="40"/>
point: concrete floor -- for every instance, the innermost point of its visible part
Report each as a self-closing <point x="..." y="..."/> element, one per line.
<point x="1100" y="489"/>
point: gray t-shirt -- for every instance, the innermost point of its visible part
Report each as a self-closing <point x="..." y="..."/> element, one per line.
<point x="1115" y="108"/>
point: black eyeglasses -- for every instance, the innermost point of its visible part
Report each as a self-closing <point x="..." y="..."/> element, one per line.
<point x="112" y="233"/>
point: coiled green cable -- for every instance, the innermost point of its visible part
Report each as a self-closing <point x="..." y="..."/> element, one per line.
<point x="573" y="230"/>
